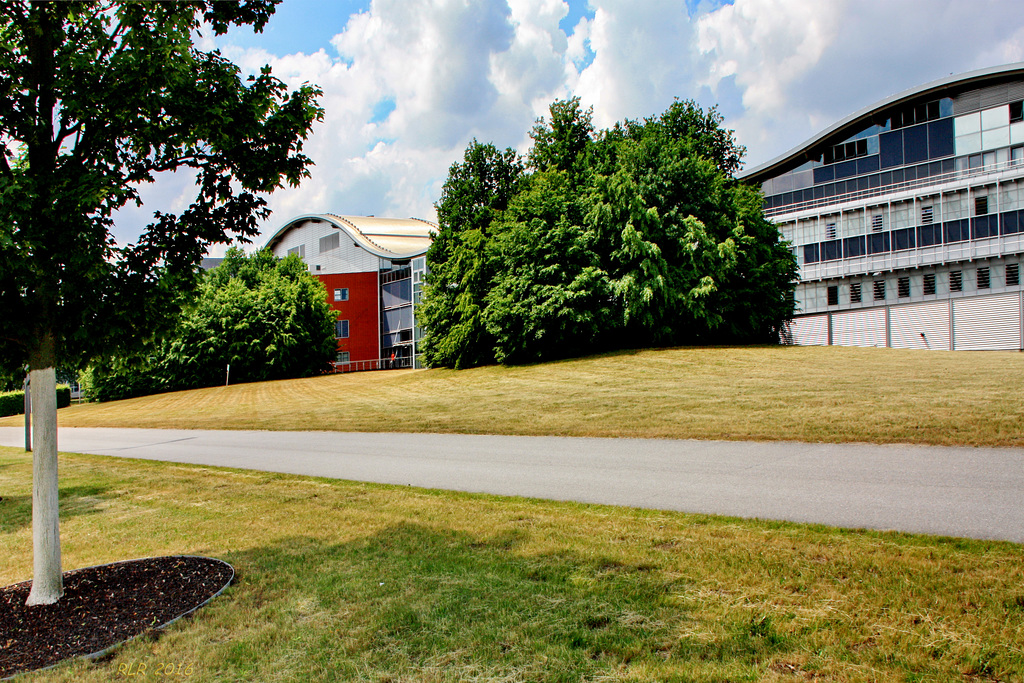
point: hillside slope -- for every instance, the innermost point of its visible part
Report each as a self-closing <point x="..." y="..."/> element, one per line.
<point x="763" y="393"/>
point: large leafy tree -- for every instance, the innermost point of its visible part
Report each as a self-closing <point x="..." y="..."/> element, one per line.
<point x="266" y="318"/>
<point x="635" y="236"/>
<point x="461" y="257"/>
<point x="549" y="296"/>
<point x="97" y="98"/>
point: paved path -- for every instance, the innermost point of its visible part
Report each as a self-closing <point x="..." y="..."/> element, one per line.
<point x="972" y="492"/>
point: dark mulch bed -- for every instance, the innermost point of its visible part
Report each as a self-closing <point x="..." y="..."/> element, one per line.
<point x="103" y="606"/>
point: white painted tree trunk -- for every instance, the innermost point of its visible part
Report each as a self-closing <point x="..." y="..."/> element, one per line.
<point x="47" y="582"/>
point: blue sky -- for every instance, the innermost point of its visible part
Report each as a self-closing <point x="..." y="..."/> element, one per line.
<point x="408" y="83"/>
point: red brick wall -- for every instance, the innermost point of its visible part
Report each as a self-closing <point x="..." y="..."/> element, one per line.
<point x="360" y="310"/>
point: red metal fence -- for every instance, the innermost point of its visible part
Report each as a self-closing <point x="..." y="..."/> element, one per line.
<point x="375" y="364"/>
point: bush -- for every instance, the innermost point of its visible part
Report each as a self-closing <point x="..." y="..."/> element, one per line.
<point x="266" y="317"/>
<point x="13" y="402"/>
<point x="63" y="396"/>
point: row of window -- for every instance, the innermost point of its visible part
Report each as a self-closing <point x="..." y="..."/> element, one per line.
<point x="399" y="272"/>
<point x="968" y="164"/>
<point x="911" y="135"/>
<point x="983" y="280"/>
<point x="949" y="206"/>
<point x="927" y="235"/>
<point x="863" y="182"/>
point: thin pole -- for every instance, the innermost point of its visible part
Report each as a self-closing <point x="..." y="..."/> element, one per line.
<point x="28" y="415"/>
<point x="227" y="375"/>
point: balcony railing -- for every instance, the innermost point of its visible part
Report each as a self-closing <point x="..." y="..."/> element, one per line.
<point x="894" y="188"/>
<point x="374" y="364"/>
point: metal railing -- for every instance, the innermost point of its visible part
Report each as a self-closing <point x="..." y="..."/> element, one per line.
<point x="918" y="256"/>
<point x="374" y="364"/>
<point x="894" y="188"/>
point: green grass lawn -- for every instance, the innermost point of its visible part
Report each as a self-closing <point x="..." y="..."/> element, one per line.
<point x="812" y="394"/>
<point x="344" y="581"/>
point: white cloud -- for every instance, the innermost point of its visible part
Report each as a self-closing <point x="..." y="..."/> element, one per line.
<point x="642" y="58"/>
<point x="408" y="83"/>
<point x="801" y="65"/>
<point x="452" y="69"/>
<point x="767" y="44"/>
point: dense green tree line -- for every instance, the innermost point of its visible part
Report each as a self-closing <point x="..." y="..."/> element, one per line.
<point x="266" y="317"/>
<point x="630" y="237"/>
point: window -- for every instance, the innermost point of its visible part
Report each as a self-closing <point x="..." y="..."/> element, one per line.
<point x="929" y="283"/>
<point x="984" y="280"/>
<point x="846" y="150"/>
<point x="833" y="296"/>
<point x="876" y="223"/>
<point x="830" y="231"/>
<point x="811" y="253"/>
<point x="1017" y="155"/>
<point x="343" y="356"/>
<point x="341" y="294"/>
<point x="831" y="250"/>
<point x="1013" y="275"/>
<point x="879" y="290"/>
<point x="980" y="206"/>
<point x="854" y="246"/>
<point x="1016" y="111"/>
<point x="956" y="281"/>
<point x="919" y="113"/>
<point x="927" y="217"/>
<point x="855" y="293"/>
<point x="341" y="329"/>
<point x="332" y="241"/>
<point x="903" y="287"/>
<point x="299" y="251"/>
<point x="903" y="239"/>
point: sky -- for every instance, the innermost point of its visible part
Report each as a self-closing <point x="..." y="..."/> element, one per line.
<point x="407" y="84"/>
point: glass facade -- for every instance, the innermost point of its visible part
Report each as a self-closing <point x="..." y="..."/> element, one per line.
<point x="925" y="201"/>
<point x="884" y="157"/>
<point x="941" y="149"/>
<point x="400" y="291"/>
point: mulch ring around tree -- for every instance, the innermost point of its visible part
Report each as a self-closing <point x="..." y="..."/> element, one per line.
<point x="103" y="606"/>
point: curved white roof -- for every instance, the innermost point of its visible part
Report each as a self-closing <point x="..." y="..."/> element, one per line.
<point x="853" y="123"/>
<point x="390" y="238"/>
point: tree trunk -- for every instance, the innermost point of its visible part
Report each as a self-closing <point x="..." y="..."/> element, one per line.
<point x="47" y="581"/>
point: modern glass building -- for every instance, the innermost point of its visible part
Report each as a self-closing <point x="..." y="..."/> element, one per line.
<point x="373" y="270"/>
<point x="907" y="218"/>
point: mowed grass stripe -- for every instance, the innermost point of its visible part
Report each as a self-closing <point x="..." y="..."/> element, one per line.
<point x="825" y="394"/>
<point x="341" y="581"/>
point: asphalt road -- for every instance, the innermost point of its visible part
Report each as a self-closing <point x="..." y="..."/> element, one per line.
<point x="970" y="492"/>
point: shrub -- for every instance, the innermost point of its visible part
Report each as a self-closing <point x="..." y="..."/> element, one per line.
<point x="13" y="402"/>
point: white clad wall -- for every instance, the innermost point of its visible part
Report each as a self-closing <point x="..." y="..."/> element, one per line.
<point x="346" y="258"/>
<point x="809" y="330"/>
<point x="859" y="328"/>
<point x="987" y="323"/>
<point x="920" y="326"/>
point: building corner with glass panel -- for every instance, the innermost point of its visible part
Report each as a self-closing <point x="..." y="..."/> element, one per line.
<point x="907" y="219"/>
<point x="373" y="269"/>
